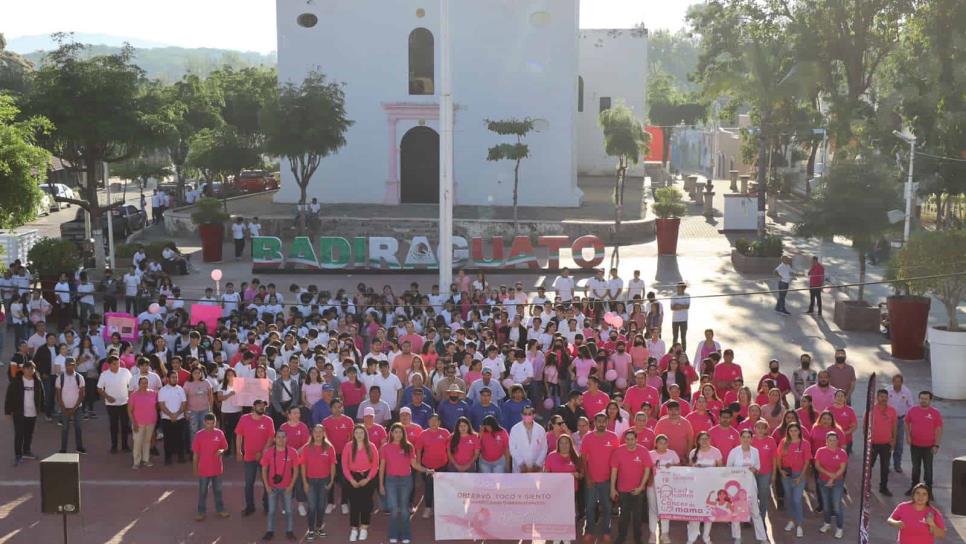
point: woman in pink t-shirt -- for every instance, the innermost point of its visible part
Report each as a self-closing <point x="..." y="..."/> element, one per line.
<point x="918" y="521"/>
<point x="662" y="457"/>
<point x="464" y="447"/>
<point x="794" y="458"/>
<point x="830" y="464"/>
<point x="398" y="461"/>
<point x="581" y="368"/>
<point x="703" y="455"/>
<point x="360" y="467"/>
<point x="142" y="409"/>
<point x="564" y="459"/>
<point x="200" y="399"/>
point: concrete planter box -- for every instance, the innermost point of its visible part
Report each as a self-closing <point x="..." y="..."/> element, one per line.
<point x="947" y="355"/>
<point x="855" y="315"/>
<point x="752" y="265"/>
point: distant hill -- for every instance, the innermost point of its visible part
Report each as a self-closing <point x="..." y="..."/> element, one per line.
<point x="169" y="64"/>
<point x="44" y="42"/>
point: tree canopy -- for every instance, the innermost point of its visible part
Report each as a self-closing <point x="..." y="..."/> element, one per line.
<point x="23" y="164"/>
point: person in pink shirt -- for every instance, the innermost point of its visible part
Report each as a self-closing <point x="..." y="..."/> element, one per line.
<point x="640" y="393"/>
<point x="377" y="433"/>
<point x="822" y="392"/>
<point x="645" y="435"/>
<point x="700" y="418"/>
<point x="726" y="372"/>
<point x="360" y="466"/>
<point x="318" y="462"/>
<point x="724" y="436"/>
<point x="581" y="367"/>
<point x="845" y="418"/>
<point x="675" y="396"/>
<point x="767" y="449"/>
<point x="564" y="459"/>
<point x="830" y="464"/>
<point x="621" y="361"/>
<point x="661" y="457"/>
<point x="918" y="521"/>
<point x="397" y="463"/>
<point x="338" y="429"/>
<point x="495" y="445"/>
<point x="807" y="415"/>
<point x="433" y="452"/>
<point x="297" y="435"/>
<point x="754" y="414"/>
<point x="712" y="402"/>
<point x="464" y="447"/>
<point x="208" y="447"/>
<point x="816" y="279"/>
<point x="794" y="458"/>
<point x="630" y="470"/>
<point x="279" y="467"/>
<point x="883" y="422"/>
<point x="142" y="407"/>
<point x="594" y="399"/>
<point x="924" y="433"/>
<point x="254" y="433"/>
<point x="595" y="450"/>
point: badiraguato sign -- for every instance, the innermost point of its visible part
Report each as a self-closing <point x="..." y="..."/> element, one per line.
<point x="386" y="253"/>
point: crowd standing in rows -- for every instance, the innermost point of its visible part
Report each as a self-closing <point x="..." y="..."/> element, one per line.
<point x="371" y="391"/>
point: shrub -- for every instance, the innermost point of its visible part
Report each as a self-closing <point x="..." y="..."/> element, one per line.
<point x="769" y="246"/>
<point x="741" y="245"/>
<point x="52" y="256"/>
<point x="209" y="211"/>
<point x="937" y="256"/>
<point x="668" y="203"/>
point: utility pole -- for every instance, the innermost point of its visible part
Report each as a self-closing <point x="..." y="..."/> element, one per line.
<point x="911" y="140"/>
<point x="110" y="220"/>
<point x="446" y="153"/>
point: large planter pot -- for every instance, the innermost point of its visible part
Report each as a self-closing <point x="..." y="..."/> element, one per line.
<point x="856" y="315"/>
<point x="212" y="238"/>
<point x="667" y="235"/>
<point x="908" y="320"/>
<point x="752" y="265"/>
<point x="947" y="355"/>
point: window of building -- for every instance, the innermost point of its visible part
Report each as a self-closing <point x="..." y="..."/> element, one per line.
<point x="421" y="62"/>
<point x="580" y="94"/>
<point x="604" y="103"/>
<point x="307" y="20"/>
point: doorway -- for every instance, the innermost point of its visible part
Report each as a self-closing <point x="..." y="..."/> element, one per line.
<point x="419" y="166"/>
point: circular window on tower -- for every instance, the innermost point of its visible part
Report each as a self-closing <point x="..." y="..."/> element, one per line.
<point x="420" y="13"/>
<point x="307" y="20"/>
<point x="540" y="18"/>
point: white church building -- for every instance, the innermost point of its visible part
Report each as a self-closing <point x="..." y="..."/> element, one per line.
<point x="510" y="59"/>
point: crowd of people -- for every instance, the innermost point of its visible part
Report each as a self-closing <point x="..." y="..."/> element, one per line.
<point x="372" y="392"/>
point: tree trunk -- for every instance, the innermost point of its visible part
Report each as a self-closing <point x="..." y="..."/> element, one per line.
<point x="97" y="229"/>
<point x="516" y="186"/>
<point x="810" y="168"/>
<point x="951" y="308"/>
<point x="303" y="188"/>
<point x="861" y="275"/>
<point x="666" y="147"/>
<point x="615" y="257"/>
<point x="179" y="172"/>
<point x="762" y="173"/>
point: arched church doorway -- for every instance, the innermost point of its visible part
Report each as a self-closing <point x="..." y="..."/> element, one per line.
<point x="419" y="166"/>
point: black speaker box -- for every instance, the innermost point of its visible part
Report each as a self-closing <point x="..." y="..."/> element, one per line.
<point x="60" y="484"/>
<point x="959" y="487"/>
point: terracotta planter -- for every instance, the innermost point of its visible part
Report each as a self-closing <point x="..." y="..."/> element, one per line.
<point x="947" y="355"/>
<point x="855" y="315"/>
<point x="908" y="320"/>
<point x="667" y="235"/>
<point x="212" y="239"/>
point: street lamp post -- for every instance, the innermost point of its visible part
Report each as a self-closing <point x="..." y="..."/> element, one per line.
<point x="911" y="140"/>
<point x="446" y="153"/>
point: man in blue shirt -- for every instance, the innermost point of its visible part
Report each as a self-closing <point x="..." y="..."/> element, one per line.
<point x="473" y="395"/>
<point x="407" y="396"/>
<point x="419" y="409"/>
<point x="452" y="408"/>
<point x="479" y="410"/>
<point x="323" y="408"/>
<point x="513" y="407"/>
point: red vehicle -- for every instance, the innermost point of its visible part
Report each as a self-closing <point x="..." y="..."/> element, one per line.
<point x="253" y="181"/>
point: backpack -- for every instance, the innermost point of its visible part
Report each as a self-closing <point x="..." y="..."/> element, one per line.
<point x="76" y="380"/>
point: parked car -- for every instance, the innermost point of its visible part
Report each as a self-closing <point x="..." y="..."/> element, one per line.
<point x="125" y="220"/>
<point x="45" y="204"/>
<point x="253" y="181"/>
<point x="58" y="190"/>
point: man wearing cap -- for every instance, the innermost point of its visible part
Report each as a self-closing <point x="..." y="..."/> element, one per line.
<point x="69" y="388"/>
<point x="485" y="407"/>
<point x="419" y="409"/>
<point x="418" y="383"/>
<point x="323" y="407"/>
<point x="381" y="410"/>
<point x="453" y="408"/>
<point x="487" y="381"/>
<point x="253" y="433"/>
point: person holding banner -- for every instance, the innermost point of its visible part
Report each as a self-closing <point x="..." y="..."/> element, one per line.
<point x="595" y="450"/>
<point x="495" y="446"/>
<point x="746" y="455"/>
<point x="398" y="461"/>
<point x="794" y="459"/>
<point x="830" y="464"/>
<point x="914" y="526"/>
<point x="464" y="447"/>
<point x="703" y="455"/>
<point x="630" y="470"/>
<point x="661" y="456"/>
<point x="360" y="466"/>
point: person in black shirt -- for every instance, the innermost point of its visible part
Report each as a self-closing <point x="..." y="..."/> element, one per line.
<point x="571" y="411"/>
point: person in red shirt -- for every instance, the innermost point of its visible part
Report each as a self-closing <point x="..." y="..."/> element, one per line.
<point x="816" y="278"/>
<point x="464" y="447"/>
<point x="595" y="451"/>
<point x="675" y="396"/>
<point x="338" y="429"/>
<point x="724" y="435"/>
<point x="377" y="433"/>
<point x="700" y="418"/>
<point x="563" y="459"/>
<point x="713" y="403"/>
<point x="830" y="464"/>
<point x="279" y="468"/>
<point x="918" y="521"/>
<point x="845" y="418"/>
<point x="397" y="463"/>
<point x="640" y="393"/>
<point x="726" y="372"/>
<point x="207" y="448"/>
<point x="318" y="465"/>
<point x="594" y="399"/>
<point x="883" y="422"/>
<point x="360" y="466"/>
<point x="495" y="445"/>
<point x="433" y="453"/>
<point x="630" y="469"/>
<point x="645" y="435"/>
<point x="680" y="435"/>
<point x="924" y="433"/>
<point x="297" y="435"/>
<point x="794" y="458"/>
<point x="765" y="444"/>
<point x="254" y="432"/>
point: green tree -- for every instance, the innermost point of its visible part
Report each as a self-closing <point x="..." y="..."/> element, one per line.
<point x="244" y="95"/>
<point x="218" y="153"/>
<point x="98" y="109"/>
<point x="188" y="106"/>
<point x="516" y="152"/>
<point x="141" y="169"/>
<point x="14" y="69"/>
<point x="23" y="164"/>
<point x="675" y="54"/>
<point x="938" y="254"/>
<point x="627" y="141"/>
<point x="306" y="123"/>
<point x="853" y="202"/>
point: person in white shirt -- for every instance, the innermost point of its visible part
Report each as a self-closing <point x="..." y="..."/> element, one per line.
<point x="901" y="400"/>
<point x="436" y="299"/>
<point x="208" y="299"/>
<point x="615" y="287"/>
<point x="784" y="273"/>
<point x="173" y="404"/>
<point x="143" y="369"/>
<point x="85" y="294"/>
<point x="635" y="287"/>
<point x="112" y="386"/>
<point x="596" y="287"/>
<point x="389" y="384"/>
<point x="131" y="282"/>
<point x="521" y="371"/>
<point x="238" y="236"/>
<point x="254" y="230"/>
<point x="528" y="444"/>
<point x="229" y="300"/>
<point x="70" y="394"/>
<point x="655" y="346"/>
<point x="564" y="286"/>
<point x="680" y="303"/>
<point x="746" y="455"/>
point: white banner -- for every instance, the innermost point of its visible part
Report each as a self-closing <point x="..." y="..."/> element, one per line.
<point x="504" y="506"/>
<point x="705" y="494"/>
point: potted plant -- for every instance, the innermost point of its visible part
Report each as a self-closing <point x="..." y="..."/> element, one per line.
<point x="669" y="207"/>
<point x="51" y="257"/>
<point x="908" y="313"/>
<point x="757" y="257"/>
<point x="854" y="202"/>
<point x="932" y="263"/>
<point x="210" y="218"/>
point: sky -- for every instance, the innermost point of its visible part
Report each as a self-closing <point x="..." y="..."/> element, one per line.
<point x="249" y="25"/>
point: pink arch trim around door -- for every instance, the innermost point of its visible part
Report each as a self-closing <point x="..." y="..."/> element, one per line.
<point x="395" y="112"/>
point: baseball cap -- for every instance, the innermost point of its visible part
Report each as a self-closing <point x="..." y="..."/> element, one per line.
<point x="258" y="401"/>
<point x="369" y="411"/>
<point x="327" y="387"/>
<point x="405" y="410"/>
<point x="487" y="370"/>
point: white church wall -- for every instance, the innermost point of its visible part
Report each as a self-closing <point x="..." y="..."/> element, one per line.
<point x="511" y="58"/>
<point x="613" y="63"/>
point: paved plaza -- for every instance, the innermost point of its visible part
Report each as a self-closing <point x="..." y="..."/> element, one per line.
<point x="156" y="505"/>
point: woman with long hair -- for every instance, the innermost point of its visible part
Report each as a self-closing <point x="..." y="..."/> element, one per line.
<point x="464" y="447"/>
<point x="917" y="519"/>
<point x="353" y="392"/>
<point x="662" y="457"/>
<point x="830" y="464"/>
<point x="763" y="442"/>
<point x="231" y="411"/>
<point x="360" y="466"/>
<point x="396" y="466"/>
<point x="747" y="456"/>
<point x="318" y="462"/>
<point x="703" y="455"/>
<point x="674" y="375"/>
<point x="494" y="446"/>
<point x="773" y="411"/>
<point x="616" y="422"/>
<point x="794" y="458"/>
<point x="754" y="414"/>
<point x="806" y="413"/>
<point x="87" y="367"/>
<point x="819" y="439"/>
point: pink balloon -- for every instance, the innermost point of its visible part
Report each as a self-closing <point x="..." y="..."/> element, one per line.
<point x="154" y="308"/>
<point x="617" y="322"/>
<point x="216" y="274"/>
<point x="548" y="404"/>
<point x="610" y="375"/>
<point x="621" y="383"/>
<point x="609" y="317"/>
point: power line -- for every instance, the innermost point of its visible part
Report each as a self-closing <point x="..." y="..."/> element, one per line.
<point x="939" y="157"/>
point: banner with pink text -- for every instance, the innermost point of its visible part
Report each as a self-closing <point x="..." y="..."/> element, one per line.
<point x="537" y="506"/>
<point x="719" y="494"/>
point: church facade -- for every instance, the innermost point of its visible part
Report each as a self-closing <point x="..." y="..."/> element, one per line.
<point x="510" y="59"/>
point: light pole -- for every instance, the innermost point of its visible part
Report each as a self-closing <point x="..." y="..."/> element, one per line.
<point x="446" y="153"/>
<point x="911" y="140"/>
